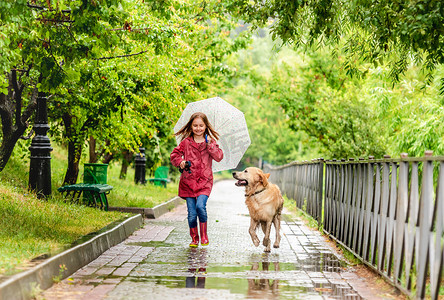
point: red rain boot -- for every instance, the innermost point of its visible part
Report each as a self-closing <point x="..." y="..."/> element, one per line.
<point x="203" y="234"/>
<point x="195" y="236"/>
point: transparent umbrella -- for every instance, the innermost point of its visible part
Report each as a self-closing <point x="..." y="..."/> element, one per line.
<point x="229" y="122"/>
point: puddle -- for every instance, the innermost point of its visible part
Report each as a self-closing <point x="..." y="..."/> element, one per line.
<point x="323" y="262"/>
<point x="256" y="275"/>
<point x="264" y="267"/>
<point x="260" y="288"/>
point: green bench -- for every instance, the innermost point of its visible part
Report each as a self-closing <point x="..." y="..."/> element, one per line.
<point x="160" y="176"/>
<point x="93" y="194"/>
<point x="94" y="188"/>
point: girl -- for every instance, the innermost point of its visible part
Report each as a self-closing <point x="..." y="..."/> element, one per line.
<point x="198" y="148"/>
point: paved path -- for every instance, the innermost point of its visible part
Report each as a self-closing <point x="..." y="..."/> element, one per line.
<point x="156" y="262"/>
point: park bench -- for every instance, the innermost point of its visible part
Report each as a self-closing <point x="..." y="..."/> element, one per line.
<point x="94" y="188"/>
<point x="160" y="176"/>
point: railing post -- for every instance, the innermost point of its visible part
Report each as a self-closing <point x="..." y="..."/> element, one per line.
<point x="437" y="248"/>
<point x="425" y="217"/>
<point x="320" y="189"/>
<point x="401" y="214"/>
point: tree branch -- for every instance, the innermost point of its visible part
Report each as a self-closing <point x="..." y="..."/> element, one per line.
<point x="18" y="90"/>
<point x="30" y="108"/>
<point x="120" y="56"/>
<point x="70" y="33"/>
<point x="126" y="29"/>
<point x="54" y="20"/>
<point x="44" y="8"/>
<point x="5" y="114"/>
<point x="28" y="136"/>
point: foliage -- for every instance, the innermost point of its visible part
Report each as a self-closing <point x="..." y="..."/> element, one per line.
<point x="249" y="90"/>
<point x="321" y="100"/>
<point x="371" y="30"/>
<point x="410" y="114"/>
<point x="117" y="70"/>
<point x="329" y="112"/>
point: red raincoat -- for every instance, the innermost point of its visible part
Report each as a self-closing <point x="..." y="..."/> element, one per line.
<point x="201" y="155"/>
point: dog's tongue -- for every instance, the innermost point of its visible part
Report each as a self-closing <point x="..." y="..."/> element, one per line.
<point x="241" y="183"/>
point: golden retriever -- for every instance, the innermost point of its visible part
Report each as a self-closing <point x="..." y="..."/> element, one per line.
<point x="264" y="201"/>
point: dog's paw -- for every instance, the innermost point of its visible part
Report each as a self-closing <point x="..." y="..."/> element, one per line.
<point x="267" y="249"/>
<point x="276" y="245"/>
<point x="266" y="242"/>
<point x="256" y="242"/>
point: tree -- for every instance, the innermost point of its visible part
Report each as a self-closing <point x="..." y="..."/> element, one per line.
<point x="323" y="101"/>
<point x="249" y="89"/>
<point x="105" y="61"/>
<point x="42" y="45"/>
<point x="373" y="30"/>
<point x="15" y="113"/>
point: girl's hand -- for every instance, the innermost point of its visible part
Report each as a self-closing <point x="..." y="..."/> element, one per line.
<point x="207" y="139"/>
<point x="182" y="164"/>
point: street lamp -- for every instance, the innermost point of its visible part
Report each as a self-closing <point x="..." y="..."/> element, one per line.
<point x="140" y="162"/>
<point x="40" y="165"/>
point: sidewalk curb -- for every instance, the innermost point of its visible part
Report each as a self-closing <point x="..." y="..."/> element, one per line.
<point x="151" y="213"/>
<point x="22" y="285"/>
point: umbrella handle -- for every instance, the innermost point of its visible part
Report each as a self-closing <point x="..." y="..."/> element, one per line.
<point x="206" y="138"/>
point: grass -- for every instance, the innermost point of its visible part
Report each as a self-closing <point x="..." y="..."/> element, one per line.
<point x="30" y="227"/>
<point x="290" y="205"/>
<point x="128" y="194"/>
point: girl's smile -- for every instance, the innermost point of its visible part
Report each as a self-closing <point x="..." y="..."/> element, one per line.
<point x="198" y="127"/>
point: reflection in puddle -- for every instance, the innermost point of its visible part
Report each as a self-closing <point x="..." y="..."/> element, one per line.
<point x="322" y="262"/>
<point x="259" y="287"/>
<point x="197" y="260"/>
<point x="264" y="276"/>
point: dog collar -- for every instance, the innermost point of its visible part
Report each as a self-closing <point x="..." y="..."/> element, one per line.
<point x="254" y="193"/>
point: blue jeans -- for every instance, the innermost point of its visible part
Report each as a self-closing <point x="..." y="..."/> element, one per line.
<point x="197" y="207"/>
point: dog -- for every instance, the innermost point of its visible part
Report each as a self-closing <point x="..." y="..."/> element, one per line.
<point x="264" y="201"/>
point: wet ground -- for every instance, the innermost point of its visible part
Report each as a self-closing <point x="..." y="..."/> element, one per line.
<point x="156" y="262"/>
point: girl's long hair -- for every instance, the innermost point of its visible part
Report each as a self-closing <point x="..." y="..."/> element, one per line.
<point x="187" y="129"/>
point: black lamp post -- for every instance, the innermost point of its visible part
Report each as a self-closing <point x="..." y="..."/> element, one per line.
<point x="40" y="165"/>
<point x="140" y="163"/>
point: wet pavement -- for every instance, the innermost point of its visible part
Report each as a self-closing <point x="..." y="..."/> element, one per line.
<point x="156" y="262"/>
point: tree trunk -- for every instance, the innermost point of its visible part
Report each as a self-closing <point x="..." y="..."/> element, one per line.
<point x="7" y="146"/>
<point x="126" y="160"/>
<point x="14" y="122"/>
<point x="107" y="158"/>
<point x="74" y="154"/>
<point x="93" y="157"/>
<point x="75" y="141"/>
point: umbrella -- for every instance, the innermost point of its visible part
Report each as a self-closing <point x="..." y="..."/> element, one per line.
<point x="229" y="122"/>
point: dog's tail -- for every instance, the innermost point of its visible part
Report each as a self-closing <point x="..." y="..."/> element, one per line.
<point x="279" y="210"/>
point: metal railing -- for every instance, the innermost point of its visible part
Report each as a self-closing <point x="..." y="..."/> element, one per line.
<point x="388" y="212"/>
<point x="303" y="182"/>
